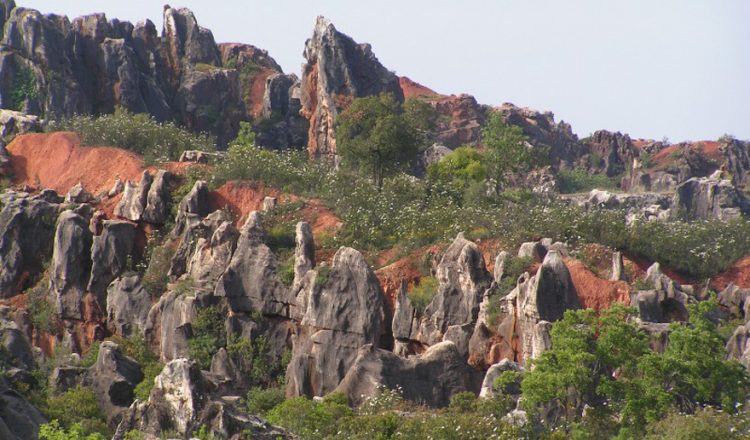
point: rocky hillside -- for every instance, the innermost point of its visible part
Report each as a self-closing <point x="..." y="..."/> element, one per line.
<point x="277" y="292"/>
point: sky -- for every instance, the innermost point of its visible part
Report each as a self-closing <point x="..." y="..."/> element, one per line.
<point x="676" y="69"/>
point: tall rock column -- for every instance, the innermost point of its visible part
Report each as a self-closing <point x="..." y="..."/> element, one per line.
<point x="337" y="71"/>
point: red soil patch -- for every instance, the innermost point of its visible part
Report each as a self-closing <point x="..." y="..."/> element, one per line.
<point x="641" y="266"/>
<point x="708" y="149"/>
<point x="58" y="161"/>
<point x="256" y="90"/>
<point x="739" y="274"/>
<point x="594" y="292"/>
<point x="242" y="198"/>
<point x="489" y="248"/>
<point x="413" y="89"/>
<point x="406" y="269"/>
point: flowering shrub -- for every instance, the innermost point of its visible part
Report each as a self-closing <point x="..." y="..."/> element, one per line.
<point x="139" y="133"/>
<point x="410" y="213"/>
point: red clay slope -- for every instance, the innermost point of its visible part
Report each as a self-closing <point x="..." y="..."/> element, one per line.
<point x="58" y="161"/>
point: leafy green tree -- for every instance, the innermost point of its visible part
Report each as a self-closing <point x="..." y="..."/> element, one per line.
<point x="246" y="135"/>
<point x="421" y="116"/>
<point x="461" y="168"/>
<point x="508" y="149"/>
<point x="373" y="136"/>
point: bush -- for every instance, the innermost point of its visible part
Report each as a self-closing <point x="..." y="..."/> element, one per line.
<point x="308" y="419"/>
<point x="139" y="133"/>
<point x="53" y="431"/>
<point x="578" y="180"/>
<point x="322" y="274"/>
<point x="421" y="294"/>
<point x="90" y="358"/>
<point x="209" y="335"/>
<point x="286" y="272"/>
<point x="705" y="424"/>
<point x="150" y="371"/>
<point x="259" y="401"/>
<point x="155" y="278"/>
<point x="77" y="406"/>
<point x="41" y="311"/>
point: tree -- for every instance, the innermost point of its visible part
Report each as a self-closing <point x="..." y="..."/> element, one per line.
<point x="460" y="170"/>
<point x="374" y="137"/>
<point x="508" y="149"/>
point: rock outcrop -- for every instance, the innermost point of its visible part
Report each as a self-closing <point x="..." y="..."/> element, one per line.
<point x="128" y="304"/>
<point x="344" y="311"/>
<point x="110" y="254"/>
<point x="71" y="264"/>
<point x="56" y="67"/>
<point x="183" y="400"/>
<point x="519" y="331"/>
<point x="27" y="229"/>
<point x="709" y="198"/>
<point x="113" y="378"/>
<point x="463" y="279"/>
<point x="337" y="70"/>
<point x="148" y="200"/>
<point x="250" y="281"/>
<point x="431" y="378"/>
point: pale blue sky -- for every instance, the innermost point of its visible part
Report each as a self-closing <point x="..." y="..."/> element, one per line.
<point x="674" y="68"/>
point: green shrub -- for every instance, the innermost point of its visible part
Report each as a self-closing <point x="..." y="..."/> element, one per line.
<point x="705" y="424"/>
<point x="281" y="236"/>
<point x="421" y="294"/>
<point x="309" y="420"/>
<point x="209" y="335"/>
<point x="140" y="133"/>
<point x="578" y="180"/>
<point x="463" y="402"/>
<point x="41" y="311"/>
<point x="155" y="278"/>
<point x="89" y="359"/>
<point x="24" y="87"/>
<point x="286" y="272"/>
<point x="259" y="401"/>
<point x="322" y="274"/>
<point x="53" y="431"/>
<point x="150" y="371"/>
<point x="77" y="406"/>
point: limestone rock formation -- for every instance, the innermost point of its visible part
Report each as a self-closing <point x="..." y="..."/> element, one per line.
<point x="212" y="256"/>
<point x="167" y="327"/>
<point x="19" y="419"/>
<point x="344" y="312"/>
<point x="71" y="264"/>
<point x="709" y="198"/>
<point x="520" y="330"/>
<point x="148" y="201"/>
<point x="27" y="229"/>
<point x="304" y="252"/>
<point x="462" y="278"/>
<point x="110" y="253"/>
<point x="113" y="378"/>
<point x="337" y="70"/>
<point x="488" y="384"/>
<point x="460" y="120"/>
<point x="665" y="302"/>
<point x="543" y="131"/>
<point x="431" y="378"/>
<point x="128" y="304"/>
<point x="183" y="399"/>
<point x="195" y="229"/>
<point x="612" y="151"/>
<point x="250" y="280"/>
